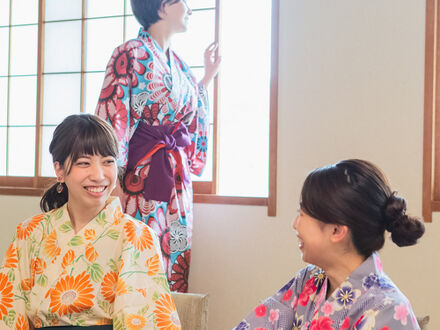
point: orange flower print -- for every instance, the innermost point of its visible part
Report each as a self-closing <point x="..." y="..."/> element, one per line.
<point x="91" y="253"/>
<point x="135" y="322"/>
<point x="5" y="295"/>
<point x="27" y="284"/>
<point x="153" y="265"/>
<point x="104" y="322"/>
<point x="117" y="216"/>
<point x="142" y="292"/>
<point x="113" y="286"/>
<point x="26" y="228"/>
<point x="22" y="323"/>
<point x="72" y="295"/>
<point x="11" y="259"/>
<point x="68" y="258"/>
<point x="121" y="265"/>
<point x="166" y="314"/>
<point x="138" y="235"/>
<point x="89" y="234"/>
<point x="38" y="266"/>
<point x="108" y="286"/>
<point x="51" y="248"/>
<point x="37" y="322"/>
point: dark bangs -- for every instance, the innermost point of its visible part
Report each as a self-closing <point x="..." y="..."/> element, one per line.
<point x="82" y="135"/>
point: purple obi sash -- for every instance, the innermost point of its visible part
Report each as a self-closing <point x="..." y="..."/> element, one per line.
<point x="157" y="142"/>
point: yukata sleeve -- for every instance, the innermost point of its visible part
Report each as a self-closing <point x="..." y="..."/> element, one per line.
<point x="14" y="288"/>
<point x="395" y="316"/>
<point x="277" y="311"/>
<point x="199" y="130"/>
<point x="143" y="299"/>
<point x="114" y="99"/>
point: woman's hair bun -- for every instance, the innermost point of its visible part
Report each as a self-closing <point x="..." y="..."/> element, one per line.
<point x="405" y="230"/>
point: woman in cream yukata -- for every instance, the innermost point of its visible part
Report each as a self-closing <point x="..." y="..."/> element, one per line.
<point x="160" y="115"/>
<point x="344" y="211"/>
<point x="84" y="262"/>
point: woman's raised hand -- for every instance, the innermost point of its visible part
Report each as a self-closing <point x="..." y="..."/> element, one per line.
<point x="212" y="63"/>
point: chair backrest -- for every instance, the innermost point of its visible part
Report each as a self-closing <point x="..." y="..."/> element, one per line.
<point x="192" y="309"/>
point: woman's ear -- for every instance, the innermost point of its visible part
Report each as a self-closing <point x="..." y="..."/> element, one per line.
<point x="339" y="233"/>
<point x="59" y="171"/>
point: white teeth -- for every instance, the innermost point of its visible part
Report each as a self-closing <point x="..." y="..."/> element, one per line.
<point x="95" y="189"/>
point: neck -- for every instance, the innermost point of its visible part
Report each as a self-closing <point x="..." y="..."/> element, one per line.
<point x="80" y="216"/>
<point x="161" y="34"/>
<point x="338" y="272"/>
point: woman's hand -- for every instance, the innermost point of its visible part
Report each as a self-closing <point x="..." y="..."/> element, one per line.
<point x="212" y="63"/>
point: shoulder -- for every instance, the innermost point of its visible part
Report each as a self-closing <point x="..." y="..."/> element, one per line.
<point x="134" y="48"/>
<point x="30" y="227"/>
<point x="132" y="226"/>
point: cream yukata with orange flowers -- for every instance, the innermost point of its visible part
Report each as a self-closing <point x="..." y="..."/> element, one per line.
<point x="108" y="272"/>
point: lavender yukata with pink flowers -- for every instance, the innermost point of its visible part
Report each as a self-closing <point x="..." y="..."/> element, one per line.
<point x="160" y="116"/>
<point x="367" y="299"/>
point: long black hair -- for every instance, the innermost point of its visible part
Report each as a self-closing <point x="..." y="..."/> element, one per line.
<point x="356" y="193"/>
<point x="77" y="135"/>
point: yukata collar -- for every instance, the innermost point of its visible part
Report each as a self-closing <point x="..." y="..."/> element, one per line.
<point x="144" y="35"/>
<point x="372" y="265"/>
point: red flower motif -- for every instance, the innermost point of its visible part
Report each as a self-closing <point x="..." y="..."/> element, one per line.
<point x="120" y="70"/>
<point x="385" y="328"/>
<point x="323" y="323"/>
<point x="260" y="310"/>
<point x="346" y="324"/>
<point x="180" y="272"/>
<point x="119" y="120"/>
<point x="309" y="289"/>
<point x="287" y="295"/>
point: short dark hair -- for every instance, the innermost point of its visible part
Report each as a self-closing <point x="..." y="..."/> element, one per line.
<point x="76" y="136"/>
<point x="356" y="193"/>
<point x="147" y="11"/>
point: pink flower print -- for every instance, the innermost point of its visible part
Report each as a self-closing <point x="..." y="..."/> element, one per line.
<point x="385" y="328"/>
<point x="401" y="313"/>
<point x="294" y="302"/>
<point x="323" y="323"/>
<point x="274" y="315"/>
<point x="261" y="329"/>
<point x="309" y="289"/>
<point x="260" y="311"/>
<point x="346" y="324"/>
<point x="287" y="295"/>
<point x="327" y="309"/>
<point x="378" y="263"/>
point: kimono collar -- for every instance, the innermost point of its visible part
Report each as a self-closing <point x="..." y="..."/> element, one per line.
<point x="145" y="36"/>
<point x="372" y="265"/>
<point x="111" y="206"/>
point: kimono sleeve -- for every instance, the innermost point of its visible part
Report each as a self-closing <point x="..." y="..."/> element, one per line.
<point x="114" y="99"/>
<point x="143" y="299"/>
<point x="14" y="288"/>
<point x="199" y="130"/>
<point x="277" y="312"/>
<point x="396" y="316"/>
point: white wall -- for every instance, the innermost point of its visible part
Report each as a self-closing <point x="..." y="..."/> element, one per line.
<point x="351" y="85"/>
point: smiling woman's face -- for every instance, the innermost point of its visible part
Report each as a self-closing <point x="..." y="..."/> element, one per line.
<point x="176" y="14"/>
<point x="313" y="238"/>
<point x="90" y="180"/>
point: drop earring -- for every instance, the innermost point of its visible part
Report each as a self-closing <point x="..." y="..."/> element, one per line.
<point x="60" y="188"/>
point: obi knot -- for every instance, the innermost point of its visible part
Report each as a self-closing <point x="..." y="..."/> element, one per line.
<point x="157" y="142"/>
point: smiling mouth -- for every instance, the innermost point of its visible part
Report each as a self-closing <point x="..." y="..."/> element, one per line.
<point x="95" y="189"/>
<point x="300" y="242"/>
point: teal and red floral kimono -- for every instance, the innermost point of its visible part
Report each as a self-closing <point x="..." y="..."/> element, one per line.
<point x="160" y="116"/>
<point x="366" y="300"/>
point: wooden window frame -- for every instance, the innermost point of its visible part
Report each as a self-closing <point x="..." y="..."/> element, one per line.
<point x="431" y="127"/>
<point x="204" y="192"/>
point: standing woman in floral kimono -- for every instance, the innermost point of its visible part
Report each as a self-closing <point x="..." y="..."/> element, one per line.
<point x="344" y="211"/>
<point x="160" y="115"/>
<point x="83" y="263"/>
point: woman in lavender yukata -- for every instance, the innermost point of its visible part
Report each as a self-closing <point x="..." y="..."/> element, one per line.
<point x="344" y="211"/>
<point x="160" y="115"/>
